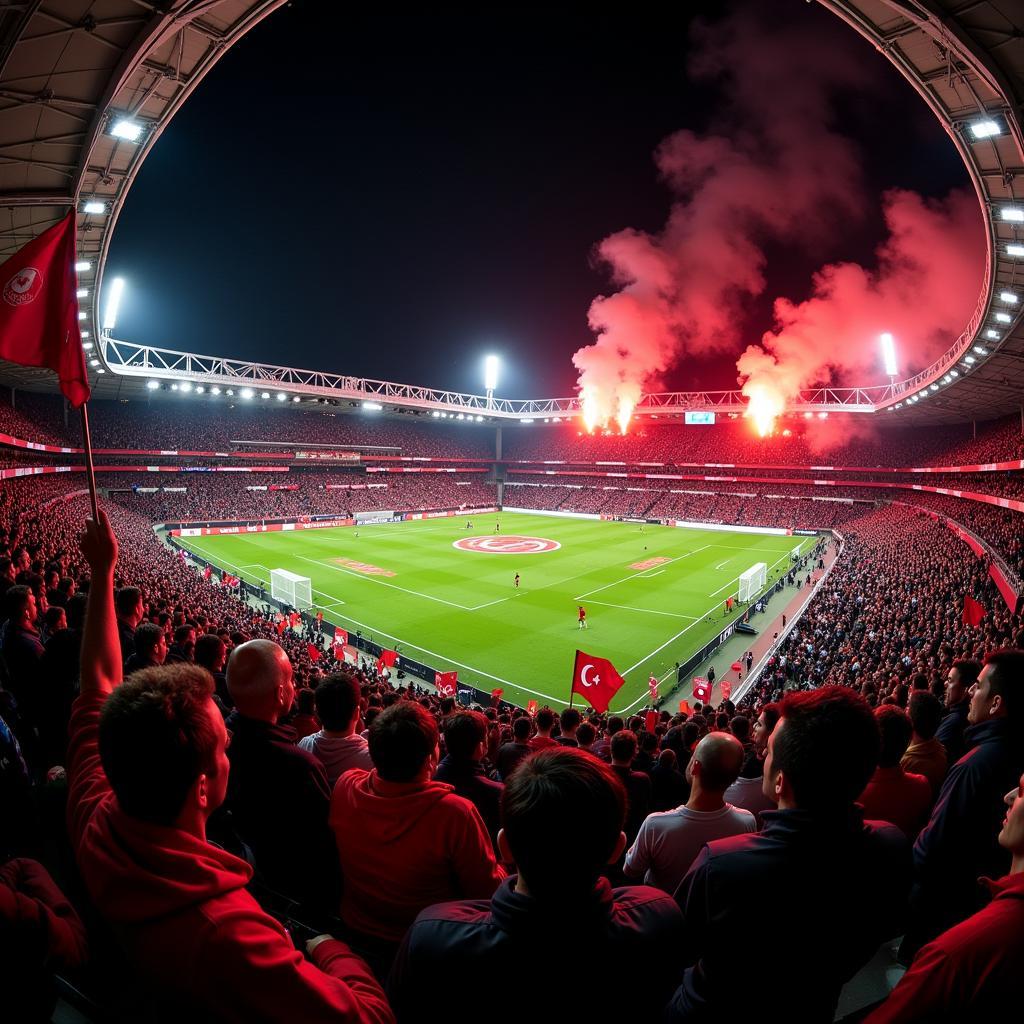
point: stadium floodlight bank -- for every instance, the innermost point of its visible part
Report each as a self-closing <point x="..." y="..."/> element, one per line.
<point x="753" y="581"/>
<point x="290" y="588"/>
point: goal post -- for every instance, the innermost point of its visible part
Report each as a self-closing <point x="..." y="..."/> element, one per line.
<point x="290" y="588"/>
<point x="753" y="581"/>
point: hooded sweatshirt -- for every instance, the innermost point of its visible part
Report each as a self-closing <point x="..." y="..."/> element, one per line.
<point x="181" y="910"/>
<point x="404" y="846"/>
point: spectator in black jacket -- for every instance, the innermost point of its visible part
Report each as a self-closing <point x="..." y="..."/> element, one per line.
<point x="563" y="812"/>
<point x="638" y="785"/>
<point x="150" y="645"/>
<point x="670" y="788"/>
<point x="958" y="845"/>
<point x="510" y="754"/>
<point x="277" y="794"/>
<point x="465" y="737"/>
<point x="962" y="676"/>
<point x="831" y="885"/>
<point x="130" y="612"/>
<point x="569" y="721"/>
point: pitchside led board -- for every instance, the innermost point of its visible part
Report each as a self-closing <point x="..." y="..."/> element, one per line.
<point x="706" y="418"/>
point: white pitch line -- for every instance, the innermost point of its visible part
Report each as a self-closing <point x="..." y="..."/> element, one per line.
<point x="736" y="578"/>
<point x="651" y="575"/>
<point x="393" y="586"/>
<point x="646" y="611"/>
<point x="722" y="565"/>
<point x="615" y="583"/>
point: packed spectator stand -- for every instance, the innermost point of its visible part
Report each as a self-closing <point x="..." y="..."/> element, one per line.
<point x="408" y="831"/>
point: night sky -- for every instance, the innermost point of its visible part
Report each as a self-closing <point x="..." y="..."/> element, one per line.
<point x="395" y="196"/>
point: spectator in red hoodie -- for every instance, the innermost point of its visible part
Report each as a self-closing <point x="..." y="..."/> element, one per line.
<point x="147" y="765"/>
<point x="893" y="794"/>
<point x="404" y="841"/>
<point x="972" y="971"/>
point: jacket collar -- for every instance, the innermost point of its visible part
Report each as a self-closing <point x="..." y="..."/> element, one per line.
<point x="797" y="823"/>
<point x="516" y="912"/>
<point x="1008" y="887"/>
<point x="984" y="732"/>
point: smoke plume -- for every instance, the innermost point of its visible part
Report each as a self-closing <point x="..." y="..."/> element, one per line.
<point x="773" y="171"/>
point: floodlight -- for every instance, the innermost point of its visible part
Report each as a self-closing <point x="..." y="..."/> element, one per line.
<point x="186" y="386"/>
<point x="435" y="414"/>
<point x="94" y="206"/>
<point x="281" y="396"/>
<point x="87" y="345"/>
<point x="969" y="359"/>
<point x="1004" y="318"/>
<point x="153" y="385"/>
<point x="479" y="419"/>
<point x="113" y="303"/>
<point x="994" y="335"/>
<point x="981" y="351"/>
<point x="247" y="392"/>
<point x="889" y="354"/>
<point x="101" y="370"/>
<point x="264" y="395"/>
<point x="295" y="398"/>
<point x="491" y="364"/>
<point x="1014" y="213"/>
<point x="231" y="391"/>
<point x="461" y="416"/>
<point x="1015" y="250"/>
<point x="215" y="390"/>
<point x="83" y="334"/>
<point x="81" y="314"/>
<point x="954" y="373"/>
<point x="94" y="362"/>
<point x="82" y="293"/>
<point x="525" y="419"/>
<point x="1009" y="297"/>
<point x="372" y="406"/>
<point x="200" y="389"/>
<point x="127" y="129"/>
<point x="174" y="387"/>
<point x="986" y="129"/>
<point x="82" y="265"/>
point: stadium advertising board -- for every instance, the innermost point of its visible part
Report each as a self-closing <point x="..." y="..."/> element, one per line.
<point x="703" y="418"/>
<point x="327" y="456"/>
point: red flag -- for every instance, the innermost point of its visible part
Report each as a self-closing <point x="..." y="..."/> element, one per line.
<point x="652" y="685"/>
<point x="595" y="680"/>
<point x="651" y="721"/>
<point x="446" y="683"/>
<point x="280" y="628"/>
<point x="340" y="638"/>
<point x="684" y="707"/>
<point x="207" y="573"/>
<point x="314" y="653"/>
<point x="39" y="309"/>
<point x="726" y="687"/>
<point x="386" y="660"/>
<point x="701" y="689"/>
<point x="531" y="708"/>
<point x="974" y="611"/>
<point x="496" y="695"/>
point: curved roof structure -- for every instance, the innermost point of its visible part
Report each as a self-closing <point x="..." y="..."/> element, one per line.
<point x="71" y="70"/>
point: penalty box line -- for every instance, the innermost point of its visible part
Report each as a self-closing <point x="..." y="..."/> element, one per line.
<point x="658" y="650"/>
<point x="632" y="575"/>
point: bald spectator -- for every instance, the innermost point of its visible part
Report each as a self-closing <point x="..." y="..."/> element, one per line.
<point x="404" y="841"/>
<point x="926" y="755"/>
<point x="959" y="680"/>
<point x="892" y="794"/>
<point x="277" y="794"/>
<point x="338" y="746"/>
<point x="669" y="841"/>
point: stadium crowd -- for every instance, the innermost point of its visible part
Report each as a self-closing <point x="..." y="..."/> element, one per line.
<point x="258" y="831"/>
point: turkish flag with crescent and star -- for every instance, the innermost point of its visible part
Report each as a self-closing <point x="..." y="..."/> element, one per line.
<point x="39" y="309"/>
<point x="595" y="680"/>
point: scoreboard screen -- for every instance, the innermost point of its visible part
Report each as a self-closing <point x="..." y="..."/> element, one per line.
<point x="699" y="417"/>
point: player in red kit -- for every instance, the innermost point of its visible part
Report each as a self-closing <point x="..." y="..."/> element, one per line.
<point x="583" y="617"/>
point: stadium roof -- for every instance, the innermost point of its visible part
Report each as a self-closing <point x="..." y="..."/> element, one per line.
<point x="71" y="70"/>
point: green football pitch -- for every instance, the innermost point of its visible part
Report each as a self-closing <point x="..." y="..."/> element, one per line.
<point x="445" y="593"/>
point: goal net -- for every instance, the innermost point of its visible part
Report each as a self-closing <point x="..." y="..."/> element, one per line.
<point x="752" y="581"/>
<point x="291" y="588"/>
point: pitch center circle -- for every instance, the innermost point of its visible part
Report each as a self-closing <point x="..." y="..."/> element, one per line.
<point x="509" y="544"/>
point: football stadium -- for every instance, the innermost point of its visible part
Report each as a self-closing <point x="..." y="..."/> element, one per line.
<point x="486" y="493"/>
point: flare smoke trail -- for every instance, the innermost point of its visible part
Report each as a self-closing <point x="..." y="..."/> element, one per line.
<point x="775" y="171"/>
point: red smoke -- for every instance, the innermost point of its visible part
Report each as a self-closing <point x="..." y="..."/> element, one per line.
<point x="774" y="171"/>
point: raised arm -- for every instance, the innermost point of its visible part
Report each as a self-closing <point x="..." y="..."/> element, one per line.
<point x="101" y="648"/>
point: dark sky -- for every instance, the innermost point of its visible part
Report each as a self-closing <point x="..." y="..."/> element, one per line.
<point x="394" y="196"/>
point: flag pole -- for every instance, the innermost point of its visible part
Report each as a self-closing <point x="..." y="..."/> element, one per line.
<point x="90" y="470"/>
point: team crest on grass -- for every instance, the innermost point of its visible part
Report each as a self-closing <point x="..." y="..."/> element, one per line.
<point x="370" y="570"/>
<point x="509" y="544"/>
